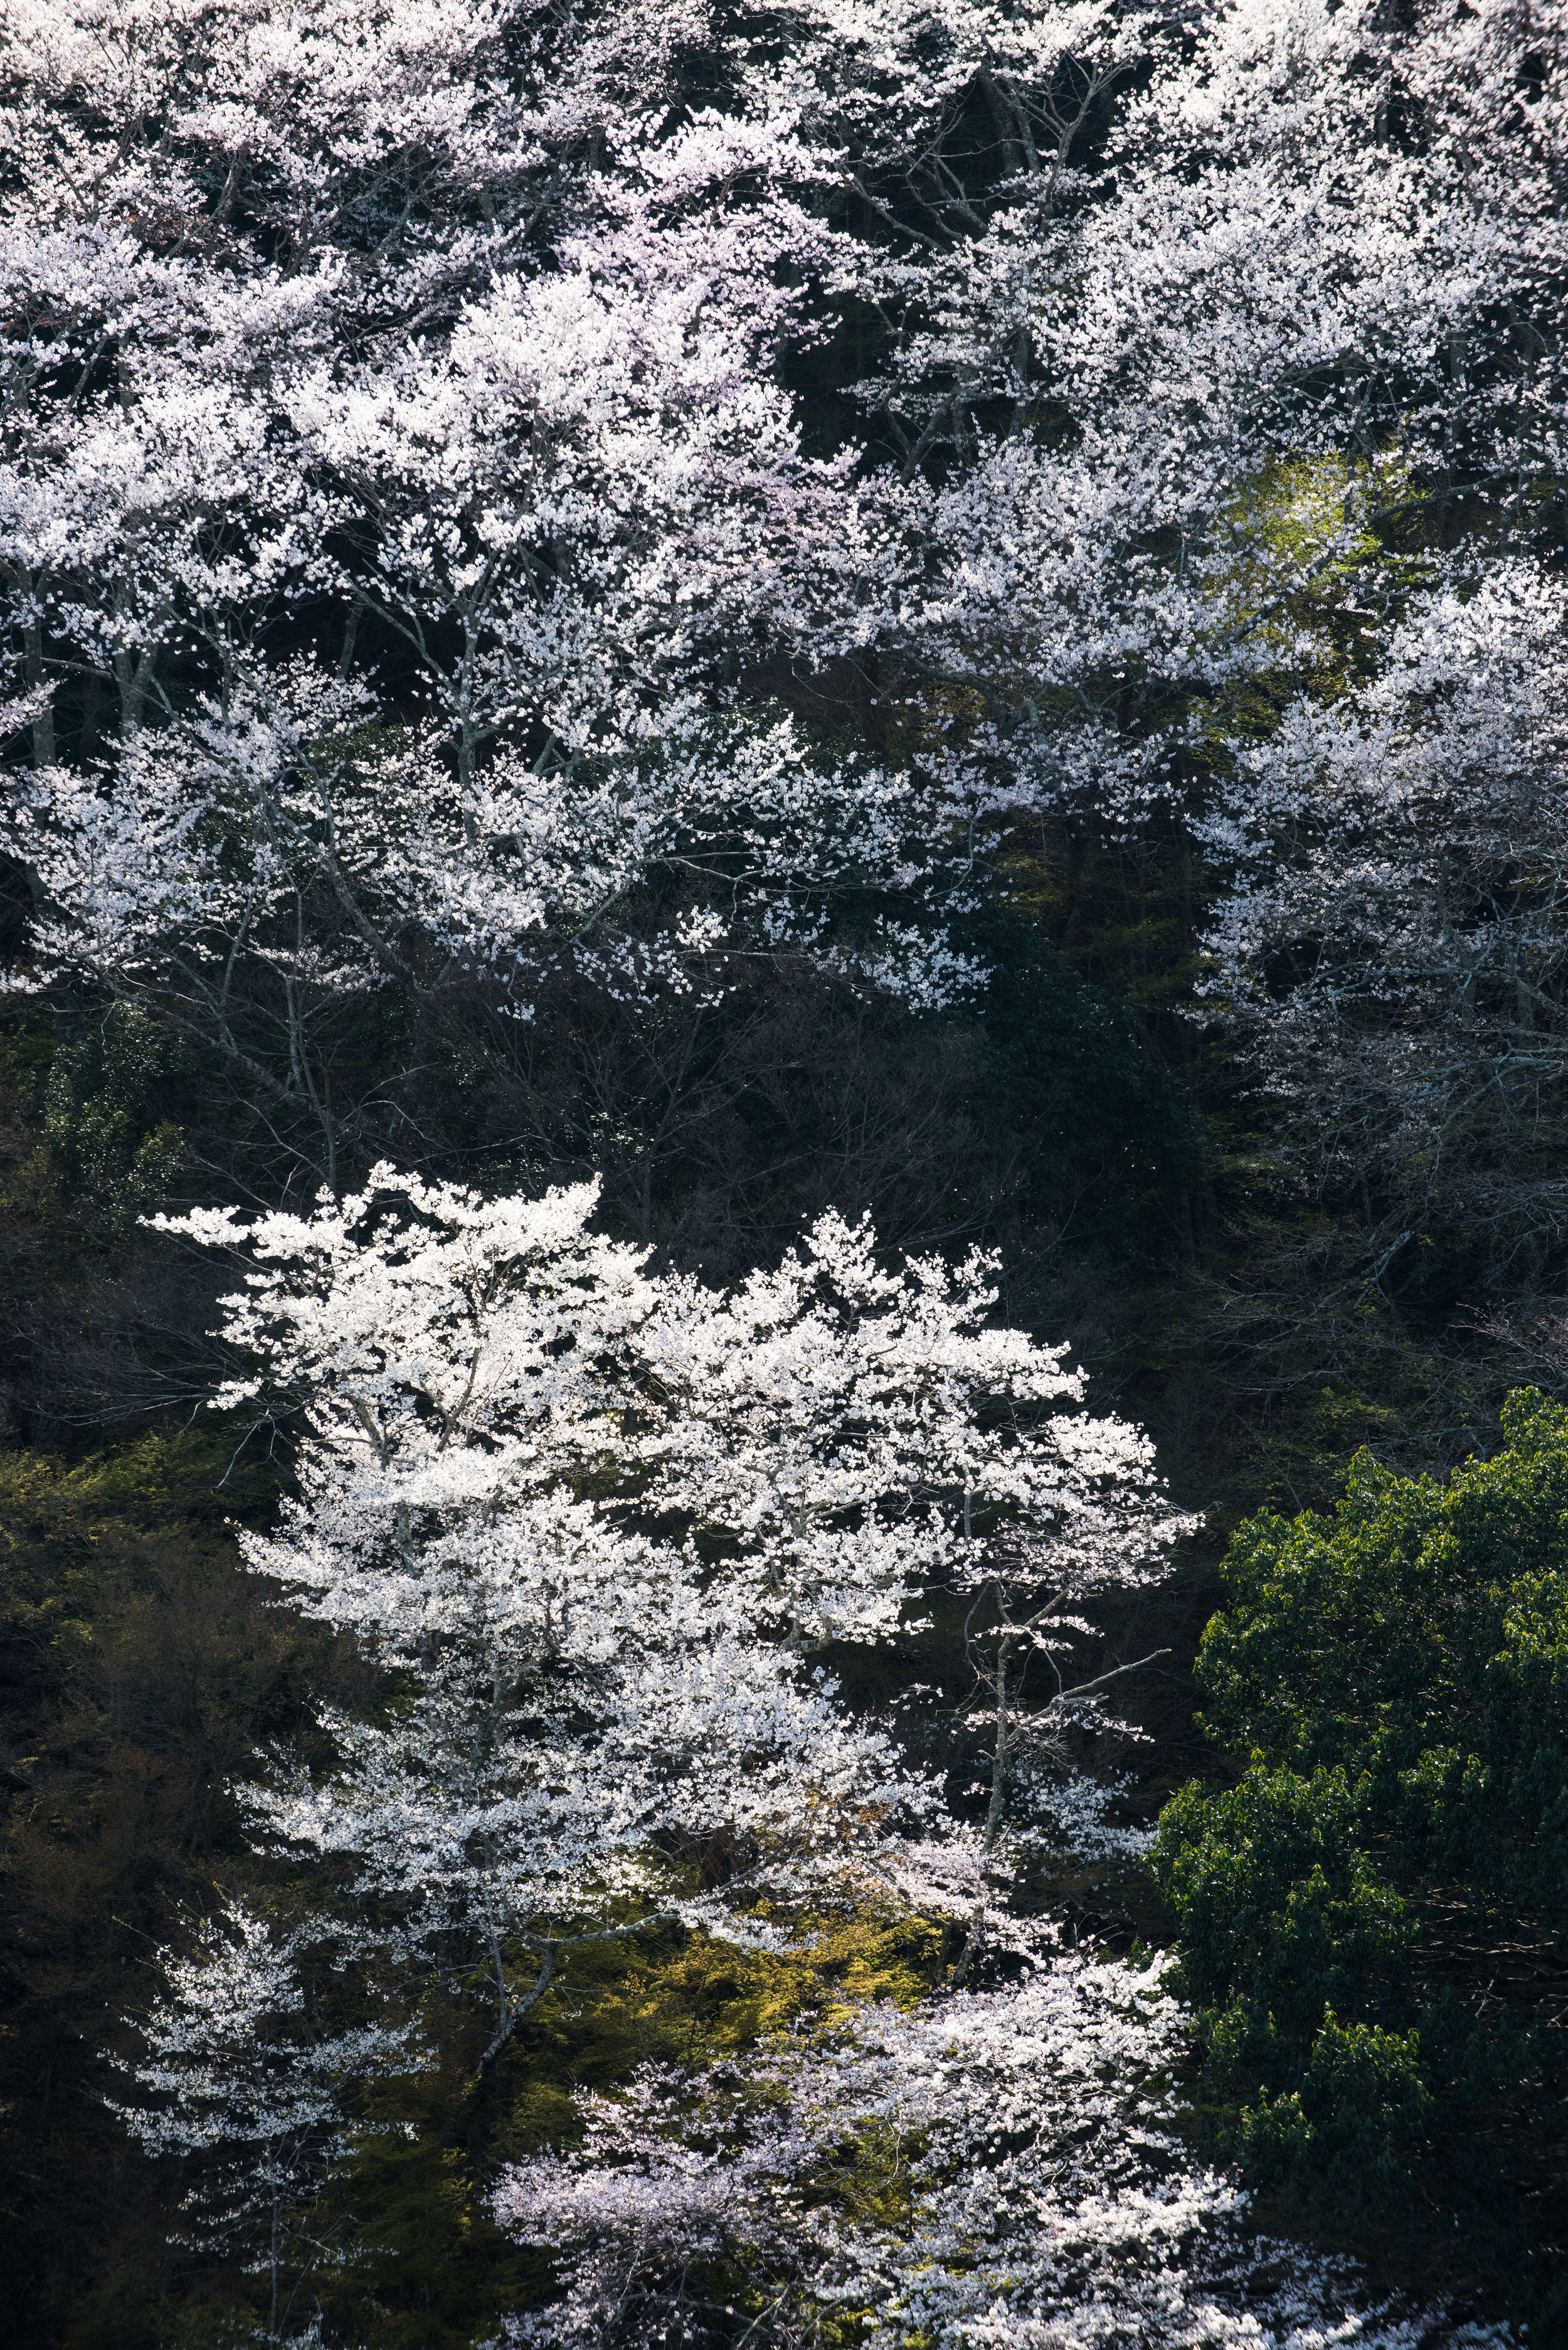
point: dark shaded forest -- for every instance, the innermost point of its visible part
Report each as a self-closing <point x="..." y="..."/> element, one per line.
<point x="1112" y="1153"/>
<point x="306" y="874"/>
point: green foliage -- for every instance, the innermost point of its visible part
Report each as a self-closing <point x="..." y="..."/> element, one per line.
<point x="1420" y="1641"/>
<point x="409" y="2257"/>
<point x="1361" y="2108"/>
<point x="1275" y="1894"/>
<point x="115" y="1155"/>
<point x="1373" y="1916"/>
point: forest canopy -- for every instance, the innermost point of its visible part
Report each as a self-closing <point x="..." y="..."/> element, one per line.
<point x="784" y="1075"/>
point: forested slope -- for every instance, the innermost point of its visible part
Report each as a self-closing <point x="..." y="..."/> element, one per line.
<point x="782" y="1102"/>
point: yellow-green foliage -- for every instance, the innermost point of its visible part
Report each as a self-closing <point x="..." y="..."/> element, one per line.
<point x="417" y="2262"/>
<point x="1306" y="562"/>
<point x="155" y="1669"/>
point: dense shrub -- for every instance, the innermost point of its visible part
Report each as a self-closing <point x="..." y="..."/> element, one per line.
<point x="1374" y="1915"/>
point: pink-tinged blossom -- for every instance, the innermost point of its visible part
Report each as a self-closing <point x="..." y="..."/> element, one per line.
<point x="499" y="1405"/>
<point x="996" y="2168"/>
<point x="467" y="331"/>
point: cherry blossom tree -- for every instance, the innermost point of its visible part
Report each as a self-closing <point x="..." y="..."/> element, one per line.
<point x="558" y="483"/>
<point x="264" y="869"/>
<point x="500" y="1407"/>
<point x="253" y="2088"/>
<point x="593" y="486"/>
<point x="582" y="1697"/>
<point x="438" y="347"/>
<point x="1120" y="278"/>
<point x="1392" y="937"/>
<point x="994" y="2167"/>
<point x="443" y="456"/>
<point x="1219" y="370"/>
<point x="858" y="1437"/>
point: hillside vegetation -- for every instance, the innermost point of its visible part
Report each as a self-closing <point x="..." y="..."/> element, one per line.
<point x="782" y="1095"/>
